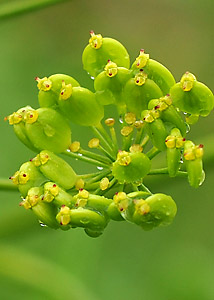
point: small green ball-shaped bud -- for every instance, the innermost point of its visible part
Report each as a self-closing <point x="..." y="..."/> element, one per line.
<point x="155" y="71"/>
<point x="81" y="107"/>
<point x="17" y="120"/>
<point x="51" y="87"/>
<point x="27" y="177"/>
<point x="137" y="96"/>
<point x="156" y="210"/>
<point x="45" y="212"/>
<point x="48" y="129"/>
<point x="192" y="96"/>
<point x="109" y="84"/>
<point x="100" y="50"/>
<point x="131" y="167"/>
<point x="56" y="169"/>
<point x="193" y="161"/>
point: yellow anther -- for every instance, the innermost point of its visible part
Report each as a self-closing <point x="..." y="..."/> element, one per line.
<point x="94" y="143"/>
<point x="170" y="142"/>
<point x="166" y="99"/>
<point x="44" y="157"/>
<point x="36" y="161"/>
<point x="48" y="197"/>
<point x="15" y="178"/>
<point x="96" y="40"/>
<point x="44" y="84"/>
<point x="31" y="116"/>
<point x="121" y="200"/>
<point x="64" y="216"/>
<point x="180" y="142"/>
<point x="141" y="60"/>
<point x="187" y="81"/>
<point x="140" y="78"/>
<point x="123" y="158"/>
<point x="126" y="130"/>
<point x="104" y="183"/>
<point x="80" y="183"/>
<point x="138" y="124"/>
<point x="75" y="146"/>
<point x="52" y="188"/>
<point x="83" y="194"/>
<point x="23" y="177"/>
<point x="189" y="154"/>
<point x="142" y="207"/>
<point x="66" y="91"/>
<point x="111" y="69"/>
<point x="81" y="202"/>
<point x="25" y="204"/>
<point x="33" y="196"/>
<point x="130" y="118"/>
<point x="199" y="151"/>
<point x="150" y="116"/>
<point x="136" y="148"/>
<point x="110" y="122"/>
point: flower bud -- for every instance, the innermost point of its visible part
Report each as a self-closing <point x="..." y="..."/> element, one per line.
<point x="50" y="88"/>
<point x="49" y="130"/>
<point x="192" y="96"/>
<point x="56" y="169"/>
<point x="156" y="210"/>
<point x="27" y="177"/>
<point x="100" y="50"/>
<point x="131" y="167"/>
<point x="82" y="107"/>
<point x="137" y="96"/>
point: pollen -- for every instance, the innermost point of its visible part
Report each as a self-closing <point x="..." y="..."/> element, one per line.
<point x="123" y="158"/>
<point x="126" y="130"/>
<point x="83" y="194"/>
<point x="80" y="183"/>
<point x="130" y="118"/>
<point x="110" y="122"/>
<point x="136" y="148"/>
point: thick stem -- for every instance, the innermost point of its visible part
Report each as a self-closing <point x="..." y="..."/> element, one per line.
<point x="7" y="185"/>
<point x="15" y="8"/>
<point x="164" y="171"/>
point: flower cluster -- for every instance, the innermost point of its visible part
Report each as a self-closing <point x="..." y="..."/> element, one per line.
<point x="154" y="115"/>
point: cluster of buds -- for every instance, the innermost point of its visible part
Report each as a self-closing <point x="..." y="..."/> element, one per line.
<point x="154" y="115"/>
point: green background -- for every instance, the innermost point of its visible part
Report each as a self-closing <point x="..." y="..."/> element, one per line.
<point x="172" y="263"/>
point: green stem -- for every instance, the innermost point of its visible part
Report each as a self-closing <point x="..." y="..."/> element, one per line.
<point x="164" y="171"/>
<point x="114" y="139"/>
<point x="106" y="145"/>
<point x="152" y="152"/>
<point x="15" y="8"/>
<point x="90" y="175"/>
<point x="99" y="176"/>
<point x="7" y="185"/>
<point x="145" y="141"/>
<point x="95" y="156"/>
<point x="86" y="159"/>
<point x="144" y="188"/>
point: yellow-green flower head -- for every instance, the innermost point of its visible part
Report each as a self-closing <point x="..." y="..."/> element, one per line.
<point x="187" y="81"/>
<point x="111" y="69"/>
<point x="140" y="78"/>
<point x="150" y="115"/>
<point x="66" y="91"/>
<point x="44" y="84"/>
<point x="14" y="118"/>
<point x="164" y="103"/>
<point x="20" y="178"/>
<point x="96" y="40"/>
<point x="194" y="152"/>
<point x="121" y="201"/>
<point x="142" y="59"/>
<point x="31" y="116"/>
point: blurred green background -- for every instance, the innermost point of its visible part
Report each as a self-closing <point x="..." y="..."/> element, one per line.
<point x="172" y="263"/>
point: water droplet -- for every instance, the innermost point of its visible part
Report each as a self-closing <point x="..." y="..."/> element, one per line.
<point x="181" y="160"/>
<point x="121" y="119"/>
<point x="202" y="178"/>
<point x="79" y="154"/>
<point x="187" y="128"/>
<point x="167" y="213"/>
<point x="84" y="221"/>
<point x="49" y="130"/>
<point x="92" y="77"/>
<point x="100" y="168"/>
<point x="42" y="224"/>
